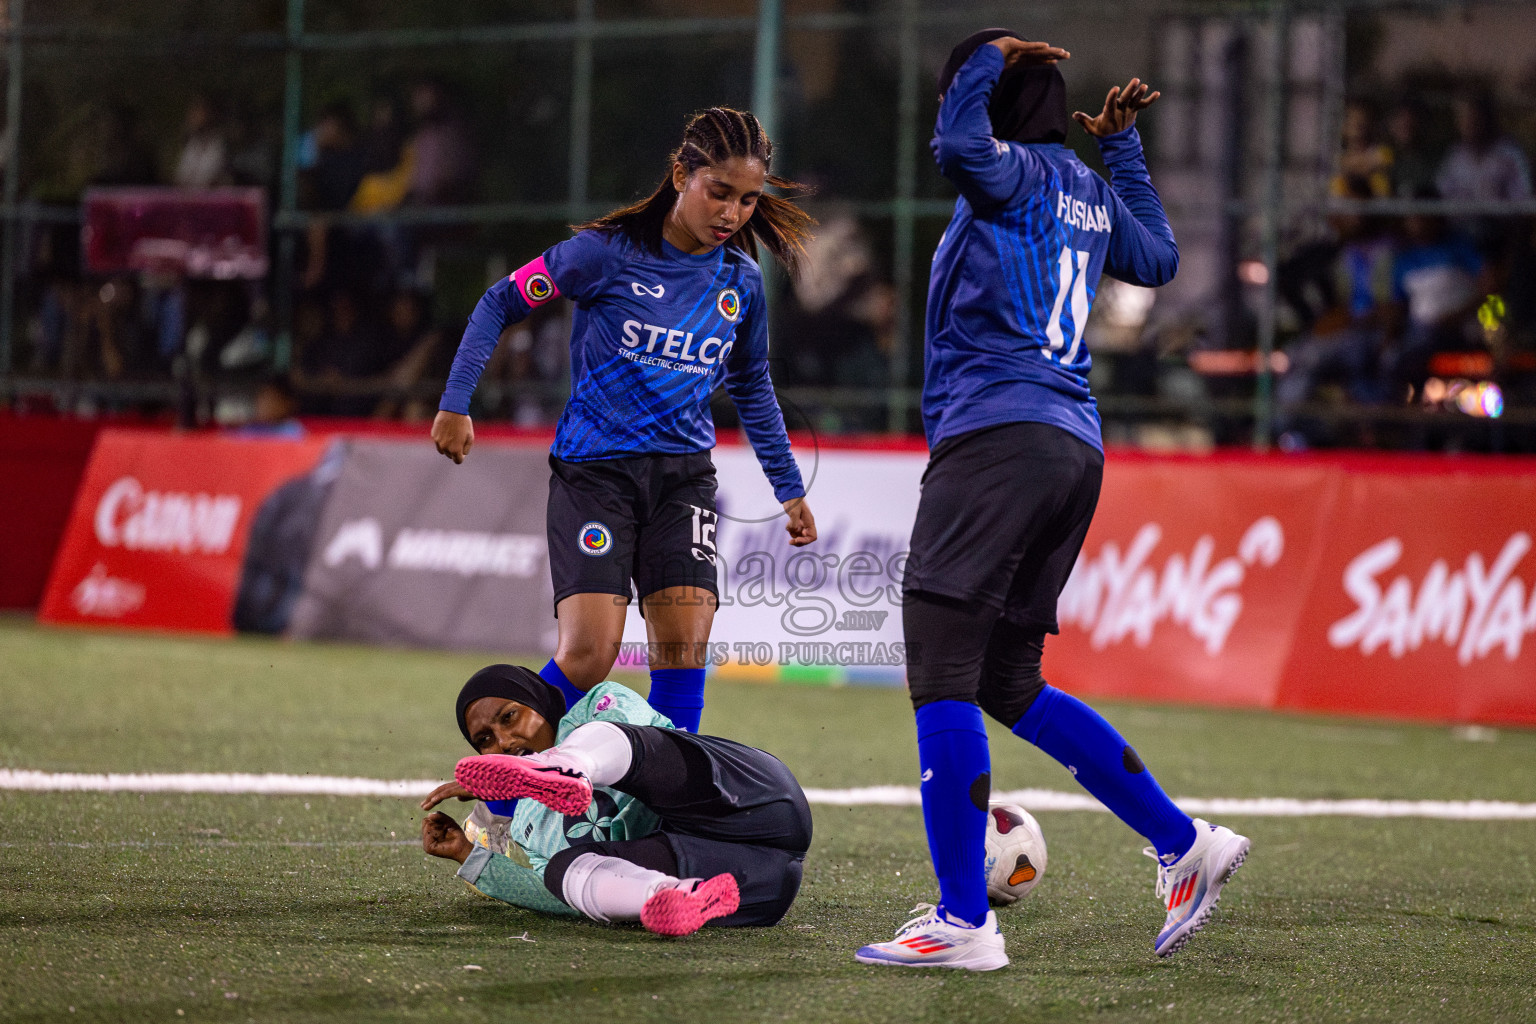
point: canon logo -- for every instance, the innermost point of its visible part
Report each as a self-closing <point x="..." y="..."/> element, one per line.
<point x="129" y="516"/>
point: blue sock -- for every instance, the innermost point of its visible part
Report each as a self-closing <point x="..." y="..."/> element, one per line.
<point x="957" y="779"/>
<point x="1106" y="766"/>
<point x="552" y="674"/>
<point x="678" y="693"/>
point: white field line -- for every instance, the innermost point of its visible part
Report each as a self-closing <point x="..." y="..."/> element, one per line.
<point x="865" y="796"/>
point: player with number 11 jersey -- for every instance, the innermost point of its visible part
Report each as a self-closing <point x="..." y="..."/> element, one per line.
<point x="1014" y="471"/>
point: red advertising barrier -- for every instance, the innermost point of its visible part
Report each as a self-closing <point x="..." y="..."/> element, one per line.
<point x="159" y="528"/>
<point x="1381" y="586"/>
<point x="1373" y="585"/>
<point x="42" y="459"/>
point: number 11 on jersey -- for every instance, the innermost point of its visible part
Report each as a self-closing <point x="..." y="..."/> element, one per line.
<point x="1072" y="279"/>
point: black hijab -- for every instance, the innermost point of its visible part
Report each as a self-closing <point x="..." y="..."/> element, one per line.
<point x="511" y="682"/>
<point x="1029" y="102"/>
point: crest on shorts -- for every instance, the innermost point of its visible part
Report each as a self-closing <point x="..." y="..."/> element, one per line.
<point x="728" y="304"/>
<point x="538" y="287"/>
<point x="595" y="539"/>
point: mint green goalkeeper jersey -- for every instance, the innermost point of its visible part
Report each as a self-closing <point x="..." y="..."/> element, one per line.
<point x="537" y="833"/>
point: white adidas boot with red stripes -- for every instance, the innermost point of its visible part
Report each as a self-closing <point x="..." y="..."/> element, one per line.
<point x="1191" y="885"/>
<point x="934" y="939"/>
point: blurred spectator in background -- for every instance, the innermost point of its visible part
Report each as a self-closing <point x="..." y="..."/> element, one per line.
<point x="1343" y="342"/>
<point x="335" y="158"/>
<point x="1365" y="163"/>
<point x="114" y="150"/>
<point x="254" y="145"/>
<point x="443" y="157"/>
<point x="1438" y="280"/>
<point x="1413" y="161"/>
<point x="1483" y="165"/>
<point x="387" y="161"/>
<point x="204" y="158"/>
<point x="338" y="368"/>
<point x="383" y="136"/>
<point x="841" y="320"/>
<point x="276" y="411"/>
<point x="84" y="327"/>
<point x="336" y="256"/>
<point x="418" y="352"/>
<point x="310" y="326"/>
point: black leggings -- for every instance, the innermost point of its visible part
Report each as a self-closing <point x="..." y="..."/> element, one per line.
<point x="724" y="807"/>
<point x="962" y="650"/>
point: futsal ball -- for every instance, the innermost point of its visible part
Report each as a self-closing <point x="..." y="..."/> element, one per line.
<point x="1015" y="853"/>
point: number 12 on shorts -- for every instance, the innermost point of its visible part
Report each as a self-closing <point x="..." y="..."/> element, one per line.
<point x="1075" y="280"/>
<point x="704" y="522"/>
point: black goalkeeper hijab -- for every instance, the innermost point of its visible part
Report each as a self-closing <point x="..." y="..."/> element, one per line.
<point x="511" y="682"/>
<point x="1029" y="103"/>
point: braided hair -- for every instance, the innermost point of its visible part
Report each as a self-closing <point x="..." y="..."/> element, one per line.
<point x="711" y="138"/>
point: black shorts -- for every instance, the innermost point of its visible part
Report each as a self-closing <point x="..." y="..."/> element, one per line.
<point x="725" y="807"/>
<point x="1002" y="517"/>
<point x="649" y="519"/>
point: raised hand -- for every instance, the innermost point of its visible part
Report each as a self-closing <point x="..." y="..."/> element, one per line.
<point x="1029" y="51"/>
<point x="1120" y="108"/>
<point x="447" y="791"/>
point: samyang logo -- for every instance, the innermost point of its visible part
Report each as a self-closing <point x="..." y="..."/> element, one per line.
<point x="1478" y="609"/>
<point x="728" y="303"/>
<point x="129" y="516"/>
<point x="1113" y="596"/>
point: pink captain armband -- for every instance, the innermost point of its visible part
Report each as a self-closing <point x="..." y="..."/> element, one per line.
<point x="534" y="283"/>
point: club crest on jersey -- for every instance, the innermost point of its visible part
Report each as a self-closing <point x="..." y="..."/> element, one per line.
<point x="538" y="288"/>
<point x="595" y="539"/>
<point x="728" y="304"/>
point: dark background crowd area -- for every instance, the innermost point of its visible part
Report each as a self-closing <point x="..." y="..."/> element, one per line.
<point x="1377" y="311"/>
<point x="1415" y="308"/>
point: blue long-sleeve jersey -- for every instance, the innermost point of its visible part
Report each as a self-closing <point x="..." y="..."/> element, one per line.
<point x="1017" y="269"/>
<point x="651" y="337"/>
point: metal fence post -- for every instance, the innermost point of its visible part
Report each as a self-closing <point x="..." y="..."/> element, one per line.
<point x="765" y="96"/>
<point x="1274" y="208"/>
<point x="579" y="170"/>
<point x="904" y="228"/>
<point x="12" y="177"/>
<point x="288" y="183"/>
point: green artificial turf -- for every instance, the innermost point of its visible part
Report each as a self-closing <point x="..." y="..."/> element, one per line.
<point x="135" y="907"/>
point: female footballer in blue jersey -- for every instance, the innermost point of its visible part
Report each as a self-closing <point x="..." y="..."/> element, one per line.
<point x="669" y="303"/>
<point x="1013" y="477"/>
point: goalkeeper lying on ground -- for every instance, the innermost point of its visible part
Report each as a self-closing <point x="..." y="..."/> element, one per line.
<point x="605" y="811"/>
